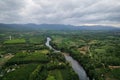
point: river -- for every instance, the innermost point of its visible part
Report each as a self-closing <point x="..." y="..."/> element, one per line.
<point x="75" y="65"/>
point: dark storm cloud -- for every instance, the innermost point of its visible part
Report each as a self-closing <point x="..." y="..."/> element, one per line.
<point x="76" y="12"/>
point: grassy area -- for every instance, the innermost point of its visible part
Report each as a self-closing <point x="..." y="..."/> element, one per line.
<point x="21" y="73"/>
<point x="65" y="74"/>
<point x="57" y="74"/>
<point x="36" y="40"/>
<point x="100" y="51"/>
<point x="51" y="78"/>
<point x="13" y="41"/>
<point x="57" y="39"/>
<point x="21" y="58"/>
<point x="35" y="73"/>
<point x="67" y="41"/>
<point x="44" y="51"/>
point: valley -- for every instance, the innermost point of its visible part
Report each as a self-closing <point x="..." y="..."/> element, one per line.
<point x="31" y="55"/>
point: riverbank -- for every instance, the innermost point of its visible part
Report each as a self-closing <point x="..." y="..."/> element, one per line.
<point x="75" y="65"/>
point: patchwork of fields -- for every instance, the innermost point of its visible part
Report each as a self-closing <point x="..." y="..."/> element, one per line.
<point x="25" y="56"/>
<point x="28" y="58"/>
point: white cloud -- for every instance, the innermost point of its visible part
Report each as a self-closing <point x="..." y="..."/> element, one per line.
<point x="60" y="11"/>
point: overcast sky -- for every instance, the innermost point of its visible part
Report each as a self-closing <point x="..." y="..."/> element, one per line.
<point x="75" y="12"/>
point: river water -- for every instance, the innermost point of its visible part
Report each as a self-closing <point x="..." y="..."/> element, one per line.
<point x="75" y="65"/>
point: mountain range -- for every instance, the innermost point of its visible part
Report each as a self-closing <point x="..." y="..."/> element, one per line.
<point x="52" y="27"/>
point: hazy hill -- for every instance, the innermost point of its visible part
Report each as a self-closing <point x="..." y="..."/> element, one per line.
<point x="52" y="27"/>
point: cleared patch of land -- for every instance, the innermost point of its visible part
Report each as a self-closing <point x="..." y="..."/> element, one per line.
<point x="13" y="41"/>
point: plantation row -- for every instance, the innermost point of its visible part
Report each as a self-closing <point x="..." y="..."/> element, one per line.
<point x="35" y="70"/>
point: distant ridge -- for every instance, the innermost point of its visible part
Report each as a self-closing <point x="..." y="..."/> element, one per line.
<point x="52" y="27"/>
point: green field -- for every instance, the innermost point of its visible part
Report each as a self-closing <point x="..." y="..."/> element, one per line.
<point x="50" y="78"/>
<point x="14" y="41"/>
<point x="56" y="74"/>
<point x="21" y="58"/>
<point x="22" y="73"/>
<point x="36" y="40"/>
